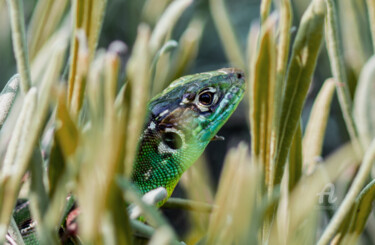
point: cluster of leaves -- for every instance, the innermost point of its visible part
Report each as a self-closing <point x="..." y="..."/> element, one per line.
<point x="86" y="130"/>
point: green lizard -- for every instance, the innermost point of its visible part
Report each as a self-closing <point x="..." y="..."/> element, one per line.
<point x="182" y="120"/>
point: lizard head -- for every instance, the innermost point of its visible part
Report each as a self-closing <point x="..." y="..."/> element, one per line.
<point x="184" y="118"/>
<point x="193" y="108"/>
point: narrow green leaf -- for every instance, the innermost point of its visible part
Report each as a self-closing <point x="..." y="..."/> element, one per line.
<point x="57" y="158"/>
<point x="363" y="207"/>
<point x="57" y="166"/>
<point x="302" y="64"/>
<point x="316" y="126"/>
<point x="95" y="90"/>
<point x="164" y="50"/>
<point x="95" y="19"/>
<point x="152" y="10"/>
<point x="141" y="229"/>
<point x="60" y="38"/>
<point x="355" y="221"/>
<point x="286" y="17"/>
<point x="139" y="81"/>
<point x="281" y="65"/>
<point x="121" y="225"/>
<point x="262" y="89"/>
<point x="88" y="18"/>
<point x="295" y="159"/>
<point x="339" y="73"/>
<point x="166" y="23"/>
<point x="7" y="97"/>
<point x="66" y="129"/>
<point x="46" y="17"/>
<point x="371" y="16"/>
<point x="19" y="42"/>
<point x="231" y="201"/>
<point x="354" y="36"/>
<point x="265" y="7"/>
<point x="39" y="201"/>
<point x="364" y="103"/>
<point x="38" y="194"/>
<point x="252" y="48"/>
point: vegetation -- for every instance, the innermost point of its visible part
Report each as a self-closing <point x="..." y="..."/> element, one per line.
<point x="73" y="126"/>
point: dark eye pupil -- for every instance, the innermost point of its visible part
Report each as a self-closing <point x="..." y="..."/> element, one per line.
<point x="205" y="98"/>
<point x="172" y="140"/>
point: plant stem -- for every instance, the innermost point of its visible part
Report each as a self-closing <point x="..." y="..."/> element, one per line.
<point x="19" y="42"/>
<point x="338" y="70"/>
<point x="371" y="16"/>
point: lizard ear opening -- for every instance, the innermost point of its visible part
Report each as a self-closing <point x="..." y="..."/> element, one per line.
<point x="172" y="140"/>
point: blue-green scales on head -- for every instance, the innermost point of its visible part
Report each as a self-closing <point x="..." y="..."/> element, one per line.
<point x="182" y="120"/>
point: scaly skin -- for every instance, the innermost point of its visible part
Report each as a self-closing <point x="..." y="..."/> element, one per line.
<point x="181" y="123"/>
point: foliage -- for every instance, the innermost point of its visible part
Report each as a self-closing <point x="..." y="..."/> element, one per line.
<point x="73" y="127"/>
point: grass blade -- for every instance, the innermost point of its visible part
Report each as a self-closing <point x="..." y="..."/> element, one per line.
<point x="371" y="16"/>
<point x="316" y="126"/>
<point x="295" y="159"/>
<point x="19" y="42"/>
<point x="138" y="85"/>
<point x="302" y="64"/>
<point x="8" y="97"/>
<point x="46" y="17"/>
<point x="338" y="70"/>
<point x="364" y="103"/>
<point x="262" y="89"/>
<point x="166" y="23"/>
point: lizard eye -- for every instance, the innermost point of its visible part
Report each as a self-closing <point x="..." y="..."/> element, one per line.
<point x="206" y="98"/>
<point x="172" y="140"/>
